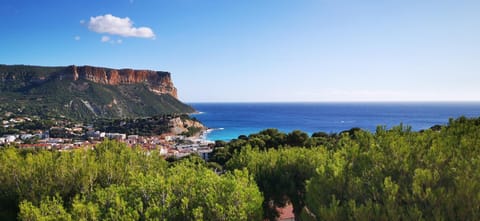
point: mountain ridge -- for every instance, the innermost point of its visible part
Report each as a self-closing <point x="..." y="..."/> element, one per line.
<point x="88" y="92"/>
<point x="159" y="82"/>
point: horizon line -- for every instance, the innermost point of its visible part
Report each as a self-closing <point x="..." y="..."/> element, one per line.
<point x="406" y="101"/>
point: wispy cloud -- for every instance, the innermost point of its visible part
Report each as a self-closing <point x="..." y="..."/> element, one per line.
<point x="118" y="26"/>
<point x="105" y="39"/>
<point x="77" y="38"/>
<point x="108" y="39"/>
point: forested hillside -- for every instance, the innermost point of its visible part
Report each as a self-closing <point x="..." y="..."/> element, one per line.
<point x="392" y="174"/>
<point x="87" y="93"/>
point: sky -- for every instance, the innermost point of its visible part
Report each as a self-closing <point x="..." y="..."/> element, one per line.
<point x="262" y="50"/>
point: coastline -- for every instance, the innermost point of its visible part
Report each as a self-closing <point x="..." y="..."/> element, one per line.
<point x="201" y="137"/>
<point x="247" y="118"/>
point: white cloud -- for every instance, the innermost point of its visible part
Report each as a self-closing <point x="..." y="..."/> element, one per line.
<point x="77" y="38"/>
<point x="105" y="39"/>
<point x="108" y="39"/>
<point x="118" y="26"/>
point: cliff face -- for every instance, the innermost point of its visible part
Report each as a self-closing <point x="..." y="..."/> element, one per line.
<point x="179" y="126"/>
<point x="158" y="82"/>
<point x="86" y="92"/>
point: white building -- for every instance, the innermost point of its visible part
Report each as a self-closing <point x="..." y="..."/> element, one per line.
<point x="26" y="136"/>
<point x="10" y="138"/>
<point x="115" y="136"/>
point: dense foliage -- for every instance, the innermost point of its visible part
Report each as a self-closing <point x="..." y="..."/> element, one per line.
<point x="191" y="131"/>
<point x="392" y="174"/>
<point x="280" y="174"/>
<point x="114" y="182"/>
<point x="401" y="175"/>
<point x="395" y="174"/>
<point x="275" y="139"/>
<point x="148" y="126"/>
<point x="140" y="126"/>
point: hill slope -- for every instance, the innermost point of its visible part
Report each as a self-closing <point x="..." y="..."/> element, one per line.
<point x="85" y="93"/>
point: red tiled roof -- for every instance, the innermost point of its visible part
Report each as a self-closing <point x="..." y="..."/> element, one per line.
<point x="35" y="145"/>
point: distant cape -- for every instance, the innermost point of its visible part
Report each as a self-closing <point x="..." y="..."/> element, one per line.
<point x="87" y="92"/>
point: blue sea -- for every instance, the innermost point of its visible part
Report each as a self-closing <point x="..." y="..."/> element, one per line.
<point x="229" y="120"/>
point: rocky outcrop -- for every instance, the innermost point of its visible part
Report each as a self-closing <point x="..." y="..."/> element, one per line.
<point x="158" y="82"/>
<point x="179" y="125"/>
<point x="85" y="92"/>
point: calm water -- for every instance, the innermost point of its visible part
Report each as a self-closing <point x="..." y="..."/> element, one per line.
<point x="233" y="119"/>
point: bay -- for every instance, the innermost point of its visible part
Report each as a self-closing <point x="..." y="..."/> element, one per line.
<point x="229" y="120"/>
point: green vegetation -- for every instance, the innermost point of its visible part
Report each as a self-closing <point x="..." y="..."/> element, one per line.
<point x="140" y="126"/>
<point x="394" y="174"/>
<point x="57" y="128"/>
<point x="280" y="174"/>
<point x="114" y="182"/>
<point x="15" y="77"/>
<point x="148" y="126"/>
<point x="47" y="92"/>
<point x="192" y="131"/>
<point x="35" y="124"/>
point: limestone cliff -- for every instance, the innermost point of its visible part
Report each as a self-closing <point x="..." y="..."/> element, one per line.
<point x="158" y="82"/>
<point x="86" y="92"/>
<point x="179" y="125"/>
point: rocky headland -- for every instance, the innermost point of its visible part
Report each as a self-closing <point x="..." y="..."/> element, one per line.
<point x="88" y="92"/>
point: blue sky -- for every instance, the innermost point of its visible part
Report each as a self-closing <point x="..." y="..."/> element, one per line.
<point x="262" y="50"/>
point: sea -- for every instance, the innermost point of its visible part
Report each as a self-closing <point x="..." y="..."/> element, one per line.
<point x="230" y="120"/>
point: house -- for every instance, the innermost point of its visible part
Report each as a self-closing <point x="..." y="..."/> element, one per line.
<point x="132" y="137"/>
<point x="115" y="136"/>
<point x="77" y="129"/>
<point x="10" y="138"/>
<point x="44" y="146"/>
<point x="26" y="136"/>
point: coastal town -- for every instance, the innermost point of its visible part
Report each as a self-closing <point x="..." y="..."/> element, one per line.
<point x="63" y="135"/>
